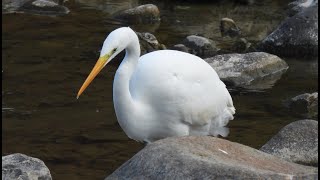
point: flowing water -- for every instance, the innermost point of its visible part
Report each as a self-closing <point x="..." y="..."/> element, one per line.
<point x="46" y="59"/>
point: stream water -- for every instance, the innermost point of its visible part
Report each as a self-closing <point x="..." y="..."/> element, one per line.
<point x="46" y="59"/>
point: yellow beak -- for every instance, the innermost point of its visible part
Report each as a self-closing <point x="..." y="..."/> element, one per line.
<point x="102" y="61"/>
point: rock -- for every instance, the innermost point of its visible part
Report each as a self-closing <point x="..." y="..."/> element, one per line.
<point x="20" y="166"/>
<point x="229" y="28"/>
<point x="42" y="7"/>
<point x="257" y="70"/>
<point x="147" y="13"/>
<point x="199" y="46"/>
<point x="11" y="6"/>
<point x="149" y="43"/>
<point x="297" y="142"/>
<point x="296" y="36"/>
<point x="205" y="157"/>
<point x="300" y="5"/>
<point x="305" y="105"/>
<point x="180" y="47"/>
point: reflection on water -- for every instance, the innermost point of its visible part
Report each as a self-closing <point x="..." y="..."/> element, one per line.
<point x="46" y="59"/>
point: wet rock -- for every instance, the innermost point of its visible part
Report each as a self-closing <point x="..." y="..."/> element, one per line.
<point x="20" y="166"/>
<point x="300" y="5"/>
<point x="44" y="7"/>
<point x="229" y="28"/>
<point x="148" y="13"/>
<point x="296" y="36"/>
<point x="206" y="157"/>
<point x="257" y="70"/>
<point x="305" y="105"/>
<point x="180" y="47"/>
<point x="297" y="142"/>
<point x="11" y="6"/>
<point x="149" y="43"/>
<point x="199" y="46"/>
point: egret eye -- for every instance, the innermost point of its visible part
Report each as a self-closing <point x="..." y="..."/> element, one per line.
<point x="114" y="50"/>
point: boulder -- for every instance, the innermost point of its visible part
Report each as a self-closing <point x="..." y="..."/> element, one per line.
<point x="147" y="13"/>
<point x="197" y="45"/>
<point x="297" y="142"/>
<point x="204" y="157"/>
<point x="305" y="105"/>
<point x="296" y="36"/>
<point x="19" y="166"/>
<point x="256" y="70"/>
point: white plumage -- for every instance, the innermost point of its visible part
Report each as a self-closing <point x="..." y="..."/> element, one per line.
<point x="164" y="93"/>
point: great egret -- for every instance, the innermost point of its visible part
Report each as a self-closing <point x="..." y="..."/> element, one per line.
<point x="163" y="93"/>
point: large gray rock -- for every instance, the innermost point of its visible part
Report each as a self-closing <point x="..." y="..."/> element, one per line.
<point x="205" y="157"/>
<point x="296" y="142"/>
<point x="296" y="36"/>
<point x="305" y="105"/>
<point x="147" y="13"/>
<point x="257" y="70"/>
<point x="19" y="166"/>
<point x="198" y="45"/>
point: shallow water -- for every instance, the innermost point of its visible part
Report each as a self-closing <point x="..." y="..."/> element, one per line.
<point x="46" y="60"/>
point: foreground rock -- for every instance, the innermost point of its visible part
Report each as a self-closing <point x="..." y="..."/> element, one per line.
<point x="42" y="7"/>
<point x="257" y="70"/>
<point x="296" y="142"/>
<point x="20" y="166"/>
<point x="149" y="43"/>
<point x="197" y="45"/>
<point x="296" y="36"/>
<point x="305" y="105"/>
<point x="147" y="13"/>
<point x="206" y="157"/>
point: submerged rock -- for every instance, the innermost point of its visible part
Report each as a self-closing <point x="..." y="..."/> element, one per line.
<point x="296" y="36"/>
<point x="257" y="70"/>
<point x="20" y="166"/>
<point x="147" y="13"/>
<point x="229" y="28"/>
<point x="305" y="105"/>
<point x="197" y="45"/>
<point x="149" y="43"/>
<point x="205" y="157"/>
<point x="297" y="142"/>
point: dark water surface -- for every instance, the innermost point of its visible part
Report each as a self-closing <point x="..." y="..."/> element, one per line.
<point x="46" y="60"/>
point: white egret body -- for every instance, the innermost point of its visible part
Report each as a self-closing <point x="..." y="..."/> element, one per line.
<point x="164" y="93"/>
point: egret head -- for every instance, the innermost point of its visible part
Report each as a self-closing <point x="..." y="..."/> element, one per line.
<point x="116" y="42"/>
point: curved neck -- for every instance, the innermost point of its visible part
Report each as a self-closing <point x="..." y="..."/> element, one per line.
<point x="123" y="102"/>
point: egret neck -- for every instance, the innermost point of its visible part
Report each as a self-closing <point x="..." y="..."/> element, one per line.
<point x="121" y="92"/>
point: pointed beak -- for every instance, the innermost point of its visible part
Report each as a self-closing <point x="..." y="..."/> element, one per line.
<point x="102" y="61"/>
